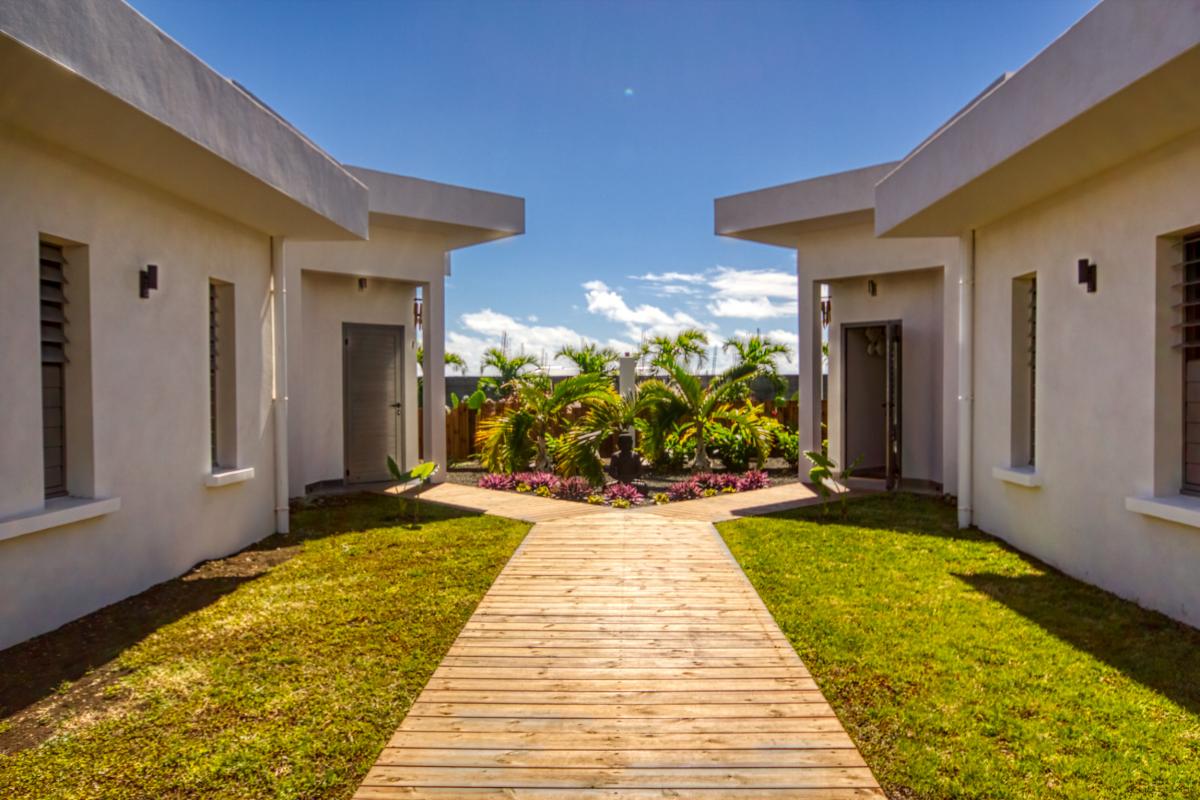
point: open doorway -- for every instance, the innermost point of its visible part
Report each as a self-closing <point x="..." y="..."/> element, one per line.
<point x="871" y="420"/>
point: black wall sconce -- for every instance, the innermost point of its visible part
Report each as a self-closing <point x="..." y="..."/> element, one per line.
<point x="872" y="288"/>
<point x="1087" y="274"/>
<point x="362" y="284"/>
<point x="147" y="280"/>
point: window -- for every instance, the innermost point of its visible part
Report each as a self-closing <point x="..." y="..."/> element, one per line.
<point x="1024" y="370"/>
<point x="222" y="376"/>
<point x="1189" y="322"/>
<point x="52" y="273"/>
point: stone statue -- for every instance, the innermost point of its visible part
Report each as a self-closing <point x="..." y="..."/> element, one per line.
<point x="625" y="465"/>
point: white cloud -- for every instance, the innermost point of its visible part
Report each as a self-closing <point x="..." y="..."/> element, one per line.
<point x="754" y="283"/>
<point x="542" y="341"/>
<point x="644" y="320"/>
<point x="750" y="308"/>
<point x="670" y="277"/>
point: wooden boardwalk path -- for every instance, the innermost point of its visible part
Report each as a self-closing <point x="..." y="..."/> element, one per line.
<point x="621" y="655"/>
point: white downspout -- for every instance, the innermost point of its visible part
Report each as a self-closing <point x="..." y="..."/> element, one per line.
<point x="280" y="384"/>
<point x="966" y="376"/>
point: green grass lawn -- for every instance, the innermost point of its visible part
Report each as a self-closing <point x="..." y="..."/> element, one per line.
<point x="288" y="684"/>
<point x="964" y="669"/>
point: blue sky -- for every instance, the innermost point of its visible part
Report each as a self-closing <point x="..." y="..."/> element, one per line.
<point x="619" y="122"/>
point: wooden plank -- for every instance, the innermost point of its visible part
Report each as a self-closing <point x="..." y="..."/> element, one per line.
<point x="625" y="777"/>
<point x="544" y="793"/>
<point x="620" y="655"/>
<point x="699" y="756"/>
<point x="592" y="740"/>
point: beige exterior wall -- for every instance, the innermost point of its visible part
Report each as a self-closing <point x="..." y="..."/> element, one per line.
<point x="142" y="367"/>
<point x="315" y="425"/>
<point x="1108" y="391"/>
<point x="916" y="299"/>
<point x="323" y="294"/>
<point x="917" y="283"/>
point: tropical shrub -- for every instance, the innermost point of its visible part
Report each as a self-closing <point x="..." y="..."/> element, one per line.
<point x="492" y="480"/>
<point x="537" y="480"/>
<point x="574" y="488"/>
<point x="788" y="443"/>
<point x="526" y="430"/>
<point x="684" y="490"/>
<point x="667" y="449"/>
<point x="681" y="402"/>
<point x="623" y="492"/>
<point x="755" y="479"/>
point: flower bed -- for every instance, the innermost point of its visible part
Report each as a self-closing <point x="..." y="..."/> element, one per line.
<point x="617" y="495"/>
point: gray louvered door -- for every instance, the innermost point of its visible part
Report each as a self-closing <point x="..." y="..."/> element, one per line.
<point x="373" y="393"/>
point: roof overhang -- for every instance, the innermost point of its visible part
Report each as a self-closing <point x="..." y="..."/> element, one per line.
<point x="780" y="214"/>
<point x="460" y="216"/>
<point x="97" y="78"/>
<point x="1120" y="82"/>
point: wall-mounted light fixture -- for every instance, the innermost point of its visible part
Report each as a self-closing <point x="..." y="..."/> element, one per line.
<point x="147" y="280"/>
<point x="362" y="284"/>
<point x="1087" y="274"/>
<point x="417" y="311"/>
<point x="872" y="288"/>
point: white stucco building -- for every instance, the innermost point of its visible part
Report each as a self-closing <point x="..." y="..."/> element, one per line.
<point x="162" y="400"/>
<point x="1059" y="209"/>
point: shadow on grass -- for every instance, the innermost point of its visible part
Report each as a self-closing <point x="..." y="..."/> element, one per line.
<point x="37" y="668"/>
<point x="1147" y="647"/>
<point x="899" y="512"/>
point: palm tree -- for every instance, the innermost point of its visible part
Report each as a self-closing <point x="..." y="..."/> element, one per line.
<point x="509" y="368"/>
<point x="682" y="403"/>
<point x="507" y="441"/>
<point x="688" y="344"/>
<point x="760" y="351"/>
<point x="578" y="452"/>
<point x="589" y="358"/>
<point x="449" y="359"/>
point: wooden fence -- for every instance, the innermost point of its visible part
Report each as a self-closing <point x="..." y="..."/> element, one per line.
<point x="462" y="422"/>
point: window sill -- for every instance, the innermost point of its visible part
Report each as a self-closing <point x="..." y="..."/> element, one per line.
<point x="1178" y="508"/>
<point x="1028" y="477"/>
<point x="57" y="512"/>
<point x="227" y="477"/>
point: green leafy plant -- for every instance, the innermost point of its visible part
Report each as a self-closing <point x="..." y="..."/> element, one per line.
<point x="661" y="498"/>
<point x="509" y="368"/>
<point x="411" y="482"/>
<point x="596" y="499"/>
<point x="526" y="429"/>
<point x="681" y="401"/>
<point x="688" y="347"/>
<point x="764" y="354"/>
<point x="476" y="399"/>
<point x="738" y="445"/>
<point x="824" y="478"/>
<point x="788" y="443"/>
<point x="590" y="359"/>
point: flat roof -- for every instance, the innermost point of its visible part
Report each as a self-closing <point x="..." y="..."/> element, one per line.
<point x="464" y="216"/>
<point x="1118" y="83"/>
<point x="777" y="215"/>
<point x="98" y="78"/>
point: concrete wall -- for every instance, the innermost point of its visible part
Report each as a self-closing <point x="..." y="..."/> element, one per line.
<point x="1108" y="391"/>
<point x="918" y="283"/>
<point x="917" y="299"/>
<point x="148" y="442"/>
<point x="322" y="294"/>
